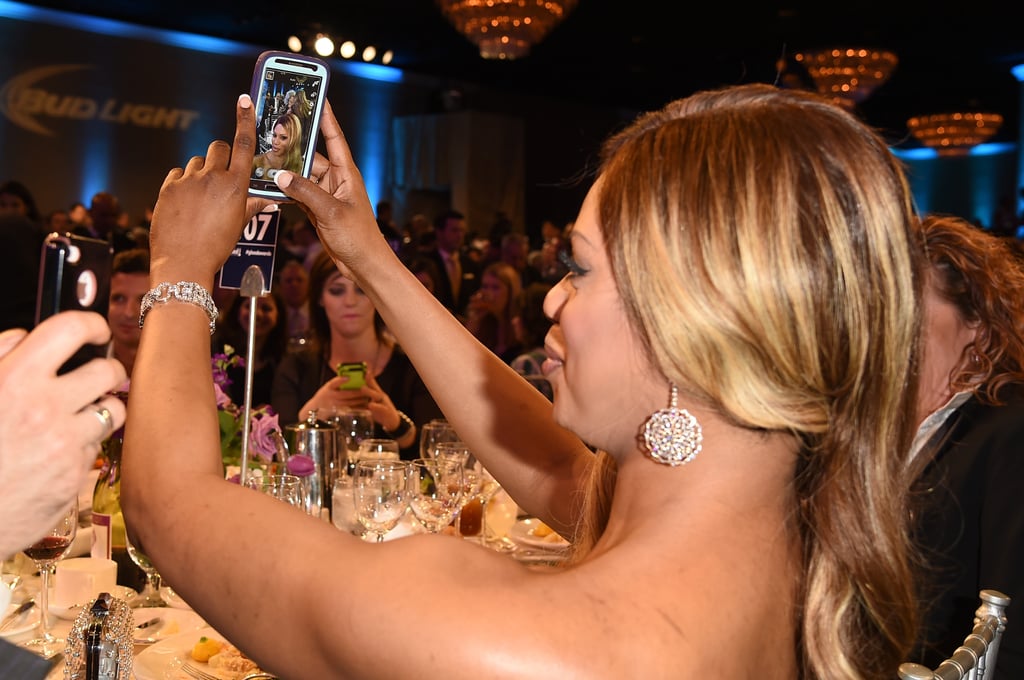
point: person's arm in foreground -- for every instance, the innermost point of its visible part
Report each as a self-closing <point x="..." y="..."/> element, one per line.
<point x="507" y="423"/>
<point x="302" y="598"/>
<point x="50" y="428"/>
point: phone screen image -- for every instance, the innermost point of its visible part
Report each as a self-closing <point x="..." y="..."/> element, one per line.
<point x="288" y="104"/>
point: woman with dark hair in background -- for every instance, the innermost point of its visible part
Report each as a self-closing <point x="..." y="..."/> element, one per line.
<point x="971" y="408"/>
<point x="271" y="343"/>
<point x="346" y="328"/>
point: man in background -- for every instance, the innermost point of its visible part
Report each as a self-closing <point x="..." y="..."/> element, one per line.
<point x="129" y="281"/>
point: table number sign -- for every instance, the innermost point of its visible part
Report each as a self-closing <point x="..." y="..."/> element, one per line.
<point x="257" y="246"/>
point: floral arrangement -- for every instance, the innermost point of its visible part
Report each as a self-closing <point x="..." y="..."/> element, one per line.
<point x="264" y="433"/>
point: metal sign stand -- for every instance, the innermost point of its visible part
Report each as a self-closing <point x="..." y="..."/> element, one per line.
<point x="252" y="287"/>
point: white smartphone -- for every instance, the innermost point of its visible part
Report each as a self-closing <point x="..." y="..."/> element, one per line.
<point x="288" y="91"/>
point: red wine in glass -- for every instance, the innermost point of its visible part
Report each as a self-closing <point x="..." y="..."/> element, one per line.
<point x="45" y="553"/>
<point x="48" y="548"/>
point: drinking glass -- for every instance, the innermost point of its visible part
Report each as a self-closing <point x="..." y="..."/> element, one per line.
<point x="287" y="488"/>
<point x="354" y="425"/>
<point x="437" y="430"/>
<point x="343" y="508"/>
<point x="381" y="494"/>
<point x="473" y="516"/>
<point x="46" y="552"/>
<point x="435" y="489"/>
<point x="453" y="450"/>
<point x="150" y="595"/>
<point x="379" y="449"/>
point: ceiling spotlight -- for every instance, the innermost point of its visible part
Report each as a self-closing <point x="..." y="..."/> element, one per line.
<point x="348" y="48"/>
<point x="369" y="53"/>
<point x="324" y="46"/>
<point x="295" y="43"/>
<point x="387" y="57"/>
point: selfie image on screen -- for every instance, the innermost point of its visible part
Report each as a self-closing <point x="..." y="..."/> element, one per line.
<point x="283" y="123"/>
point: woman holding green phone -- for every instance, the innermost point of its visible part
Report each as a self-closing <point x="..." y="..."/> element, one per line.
<point x="351" y="361"/>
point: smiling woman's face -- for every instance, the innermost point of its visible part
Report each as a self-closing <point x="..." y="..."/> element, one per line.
<point x="604" y="386"/>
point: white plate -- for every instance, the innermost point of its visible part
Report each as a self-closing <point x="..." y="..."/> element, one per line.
<point x="28" y="621"/>
<point x="522" y="532"/>
<point x="172" y="598"/>
<point x="175" y="622"/>
<point x="71" y="613"/>
<point x="163" y="660"/>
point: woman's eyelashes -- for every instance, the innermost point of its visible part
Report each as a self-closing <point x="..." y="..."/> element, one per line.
<point x="574" y="268"/>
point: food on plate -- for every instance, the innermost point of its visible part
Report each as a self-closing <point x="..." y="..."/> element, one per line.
<point x="222" y="658"/>
<point x="205" y="648"/>
<point x="230" y="659"/>
<point x="545" y="533"/>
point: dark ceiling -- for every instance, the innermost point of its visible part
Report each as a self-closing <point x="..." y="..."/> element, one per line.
<point x="638" y="54"/>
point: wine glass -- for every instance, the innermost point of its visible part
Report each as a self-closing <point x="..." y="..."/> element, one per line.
<point x="381" y="496"/>
<point x="354" y="425"/>
<point x="451" y="450"/>
<point x="375" y="449"/>
<point x="283" y="487"/>
<point x="437" y="430"/>
<point x="473" y="516"/>
<point x="46" y="552"/>
<point x="150" y="595"/>
<point x="435" y="490"/>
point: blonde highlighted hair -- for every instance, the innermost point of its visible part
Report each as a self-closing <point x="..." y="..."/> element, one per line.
<point x="761" y="242"/>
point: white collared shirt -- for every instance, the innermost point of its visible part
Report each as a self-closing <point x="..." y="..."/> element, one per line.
<point x="930" y="425"/>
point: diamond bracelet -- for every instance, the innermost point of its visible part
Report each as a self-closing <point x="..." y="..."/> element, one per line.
<point x="182" y="291"/>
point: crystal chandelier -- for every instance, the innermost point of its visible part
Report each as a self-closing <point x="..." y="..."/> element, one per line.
<point x="848" y="75"/>
<point x="505" y="29"/>
<point x="953" y="134"/>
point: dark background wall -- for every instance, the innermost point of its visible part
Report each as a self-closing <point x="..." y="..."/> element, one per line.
<point x="88" y="105"/>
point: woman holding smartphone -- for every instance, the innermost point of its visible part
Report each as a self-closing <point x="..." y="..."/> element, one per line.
<point x="346" y="328"/>
<point x="740" y="346"/>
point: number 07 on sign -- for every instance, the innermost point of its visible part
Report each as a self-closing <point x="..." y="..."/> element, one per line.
<point x="258" y="246"/>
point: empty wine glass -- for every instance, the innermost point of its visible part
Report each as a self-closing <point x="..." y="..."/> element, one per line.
<point x="451" y="450"/>
<point x="435" y="489"/>
<point x="46" y="552"/>
<point x="437" y="430"/>
<point x="354" y="425"/>
<point x="371" y="449"/>
<point x="287" y="488"/>
<point x="150" y="595"/>
<point x="381" y="494"/>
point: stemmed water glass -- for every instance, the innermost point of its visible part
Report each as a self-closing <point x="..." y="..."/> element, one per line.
<point x="381" y="494"/>
<point x="433" y="432"/>
<point x="354" y="425"/>
<point x="451" y="450"/>
<point x="283" y="487"/>
<point x="435" y="490"/>
<point x="46" y="552"/>
<point x="372" y="449"/>
<point x="150" y="595"/>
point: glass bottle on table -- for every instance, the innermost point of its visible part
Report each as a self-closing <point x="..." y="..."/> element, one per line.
<point x="109" y="538"/>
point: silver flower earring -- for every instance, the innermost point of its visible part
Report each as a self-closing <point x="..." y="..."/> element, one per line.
<point x="672" y="435"/>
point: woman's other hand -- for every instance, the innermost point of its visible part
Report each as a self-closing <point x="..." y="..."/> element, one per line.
<point x="336" y="201"/>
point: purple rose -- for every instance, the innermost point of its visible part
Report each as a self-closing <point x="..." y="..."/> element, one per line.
<point x="260" y="439"/>
<point x="223" y="399"/>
